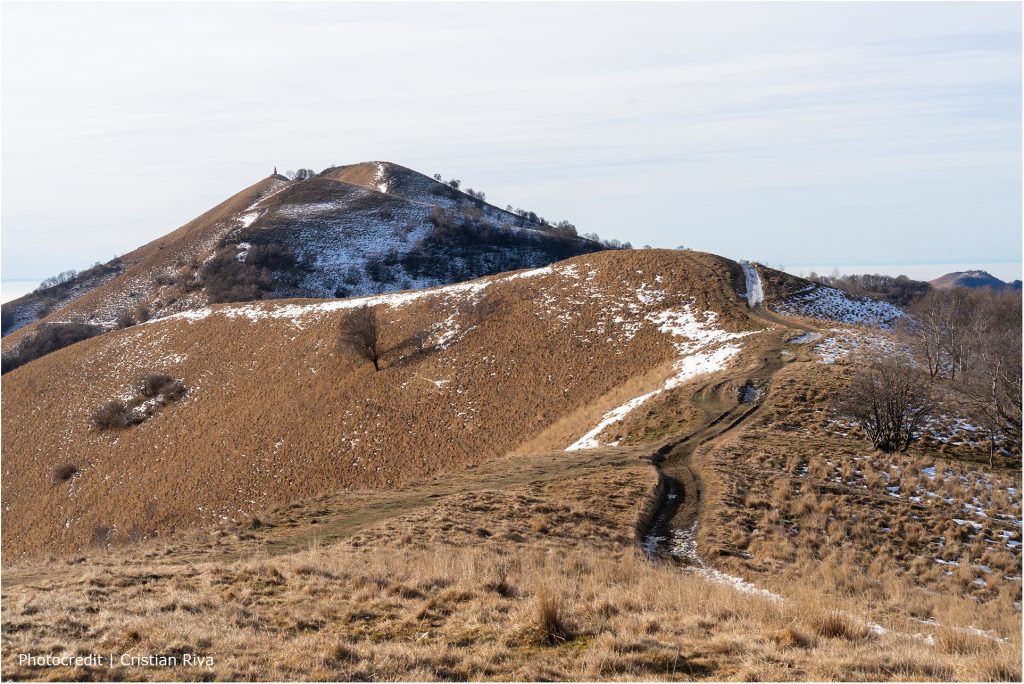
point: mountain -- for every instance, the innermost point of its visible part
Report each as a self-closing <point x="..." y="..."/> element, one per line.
<point x="351" y="230"/>
<point x="973" y="279"/>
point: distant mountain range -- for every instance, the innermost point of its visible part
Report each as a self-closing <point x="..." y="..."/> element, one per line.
<point x="973" y="280"/>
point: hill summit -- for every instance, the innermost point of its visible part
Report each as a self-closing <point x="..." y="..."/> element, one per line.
<point x="353" y="230"/>
<point x="973" y="279"/>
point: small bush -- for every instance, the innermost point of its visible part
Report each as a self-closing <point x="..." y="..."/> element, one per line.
<point x="8" y="318"/>
<point x="890" y="399"/>
<point x="172" y="391"/>
<point x="265" y="267"/>
<point x="125" y="320"/>
<point x="152" y="384"/>
<point x="120" y="414"/>
<point x="63" y="473"/>
<point x="114" y="415"/>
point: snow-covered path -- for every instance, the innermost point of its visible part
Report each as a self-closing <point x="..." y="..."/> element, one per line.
<point x="755" y="294"/>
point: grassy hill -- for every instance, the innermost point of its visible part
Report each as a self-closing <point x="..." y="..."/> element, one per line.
<point x="353" y="230"/>
<point x="272" y="412"/>
<point x="625" y="465"/>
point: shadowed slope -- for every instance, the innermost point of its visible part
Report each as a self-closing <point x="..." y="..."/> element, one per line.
<point x="361" y="229"/>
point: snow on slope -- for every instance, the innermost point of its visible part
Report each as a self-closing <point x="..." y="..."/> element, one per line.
<point x="702" y="348"/>
<point x="755" y="293"/>
<point x="351" y="239"/>
<point x="268" y="310"/>
<point x="378" y="238"/>
<point x="844" y="342"/>
<point x="828" y="303"/>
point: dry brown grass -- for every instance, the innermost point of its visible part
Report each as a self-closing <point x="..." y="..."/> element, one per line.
<point x="146" y="266"/>
<point x="365" y="613"/>
<point x="777" y="518"/>
<point x="273" y="415"/>
<point x="419" y="597"/>
<point x="526" y="568"/>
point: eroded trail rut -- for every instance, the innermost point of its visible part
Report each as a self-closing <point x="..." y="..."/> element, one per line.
<point x="679" y="496"/>
<point x="670" y="533"/>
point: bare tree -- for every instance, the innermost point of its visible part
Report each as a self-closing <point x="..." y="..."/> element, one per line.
<point x="993" y="386"/>
<point x="924" y="328"/>
<point x="360" y="335"/>
<point x="889" y="399"/>
<point x="971" y="340"/>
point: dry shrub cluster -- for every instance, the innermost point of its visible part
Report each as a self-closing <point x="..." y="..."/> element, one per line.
<point x="46" y="339"/>
<point x="153" y="390"/>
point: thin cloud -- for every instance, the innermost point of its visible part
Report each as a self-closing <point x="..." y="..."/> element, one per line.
<point x="784" y="132"/>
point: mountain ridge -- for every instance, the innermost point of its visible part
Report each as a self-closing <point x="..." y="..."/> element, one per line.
<point x="349" y="230"/>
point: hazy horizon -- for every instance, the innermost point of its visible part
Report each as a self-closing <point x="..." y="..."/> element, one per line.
<point x="808" y="133"/>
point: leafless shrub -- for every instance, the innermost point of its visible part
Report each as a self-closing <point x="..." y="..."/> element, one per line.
<point x="65" y="472"/>
<point x="360" y="335"/>
<point x="49" y="337"/>
<point x="113" y="415"/>
<point x="889" y="400"/>
<point x="166" y="278"/>
<point x="120" y="414"/>
<point x="972" y="340"/>
<point x="151" y="384"/>
<point x="124" y="320"/>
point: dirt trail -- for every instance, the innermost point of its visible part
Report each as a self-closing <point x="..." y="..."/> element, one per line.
<point x="678" y="507"/>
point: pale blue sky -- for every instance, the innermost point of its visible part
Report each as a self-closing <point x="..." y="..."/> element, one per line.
<point x="855" y="133"/>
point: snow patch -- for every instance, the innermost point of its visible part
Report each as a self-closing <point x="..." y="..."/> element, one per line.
<point x="845" y="341"/>
<point x="589" y="440"/>
<point x="805" y="338"/>
<point x="697" y="357"/>
<point x="755" y="293"/>
<point x="248" y="218"/>
<point x="256" y="311"/>
<point x="381" y="180"/>
<point x="830" y="303"/>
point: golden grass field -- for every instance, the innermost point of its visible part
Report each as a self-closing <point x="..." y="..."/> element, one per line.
<point x="482" y="549"/>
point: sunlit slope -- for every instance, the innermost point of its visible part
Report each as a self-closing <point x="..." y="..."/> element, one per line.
<point x="275" y="413"/>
